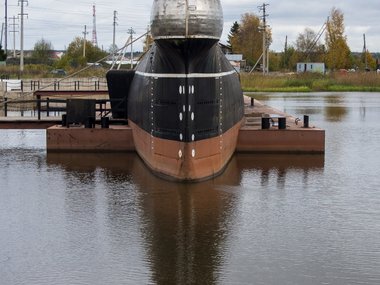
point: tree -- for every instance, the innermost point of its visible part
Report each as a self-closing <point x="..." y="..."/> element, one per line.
<point x="248" y="39"/>
<point x="289" y="58"/>
<point x="308" y="46"/>
<point x="42" y="52"/>
<point x="338" y="53"/>
<point x="3" y="56"/>
<point x="74" y="54"/>
<point x="233" y="33"/>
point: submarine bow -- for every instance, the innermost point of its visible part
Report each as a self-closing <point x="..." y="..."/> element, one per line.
<point x="185" y="104"/>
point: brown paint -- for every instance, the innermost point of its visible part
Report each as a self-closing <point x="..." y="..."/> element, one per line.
<point x="175" y="159"/>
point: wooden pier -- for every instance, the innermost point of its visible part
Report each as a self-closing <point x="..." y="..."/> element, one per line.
<point x="294" y="138"/>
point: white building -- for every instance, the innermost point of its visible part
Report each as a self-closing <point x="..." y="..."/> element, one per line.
<point x="311" y="67"/>
<point x="236" y="60"/>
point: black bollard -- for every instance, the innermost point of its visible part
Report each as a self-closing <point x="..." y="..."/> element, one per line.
<point x="265" y="123"/>
<point x="252" y="102"/>
<point x="64" y="120"/>
<point x="90" y="123"/>
<point x="305" y="121"/>
<point x="282" y="123"/>
<point x="5" y="107"/>
<point x="105" y="122"/>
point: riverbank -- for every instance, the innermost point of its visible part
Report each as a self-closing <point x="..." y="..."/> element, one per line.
<point x="291" y="82"/>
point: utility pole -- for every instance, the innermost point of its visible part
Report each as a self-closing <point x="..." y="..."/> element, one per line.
<point x="365" y="53"/>
<point x="6" y="27"/>
<point x="114" y="35"/>
<point x="2" y="33"/>
<point x="131" y="32"/>
<point x="22" y="14"/>
<point x="14" y="31"/>
<point x="285" y="50"/>
<point x="264" y="26"/>
<point x="84" y="40"/>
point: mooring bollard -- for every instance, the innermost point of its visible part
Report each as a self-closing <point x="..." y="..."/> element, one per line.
<point x="39" y="107"/>
<point x="5" y="107"/>
<point x="64" y="121"/>
<point x="90" y="123"/>
<point x="265" y="123"/>
<point x="282" y="123"/>
<point x="305" y="121"/>
<point x="105" y="122"/>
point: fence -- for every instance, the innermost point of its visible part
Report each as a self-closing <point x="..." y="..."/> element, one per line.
<point x="9" y="85"/>
<point x="56" y="106"/>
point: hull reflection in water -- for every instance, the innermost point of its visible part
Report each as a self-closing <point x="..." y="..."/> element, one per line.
<point x="186" y="228"/>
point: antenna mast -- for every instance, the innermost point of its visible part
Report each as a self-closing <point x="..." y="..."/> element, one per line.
<point x="94" y="37"/>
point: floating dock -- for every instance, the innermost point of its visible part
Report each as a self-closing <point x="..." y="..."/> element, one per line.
<point x="284" y="134"/>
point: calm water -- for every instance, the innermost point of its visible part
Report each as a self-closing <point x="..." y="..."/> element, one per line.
<point x="105" y="219"/>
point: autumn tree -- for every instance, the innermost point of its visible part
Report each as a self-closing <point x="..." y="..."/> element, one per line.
<point x="308" y="46"/>
<point x="366" y="61"/>
<point x="148" y="41"/>
<point x="74" y="54"/>
<point x="338" y="53"/>
<point x="248" y="40"/>
<point x="42" y="52"/>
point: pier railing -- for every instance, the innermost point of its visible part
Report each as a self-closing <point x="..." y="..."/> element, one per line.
<point x="52" y="107"/>
<point x="76" y="84"/>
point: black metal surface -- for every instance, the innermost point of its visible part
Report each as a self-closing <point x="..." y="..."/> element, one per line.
<point x="64" y="120"/>
<point x="79" y="110"/>
<point x="118" y="82"/>
<point x="305" y="121"/>
<point x="185" y="107"/>
<point x="105" y="122"/>
<point x="265" y="123"/>
<point x="282" y="123"/>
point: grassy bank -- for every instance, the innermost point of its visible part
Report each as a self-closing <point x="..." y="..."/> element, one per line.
<point x="343" y="82"/>
<point x="34" y="71"/>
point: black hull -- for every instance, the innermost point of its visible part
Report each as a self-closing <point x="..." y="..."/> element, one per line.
<point x="185" y="90"/>
<point x="185" y="107"/>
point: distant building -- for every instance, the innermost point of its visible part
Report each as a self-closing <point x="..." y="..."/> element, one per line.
<point x="311" y="67"/>
<point x="236" y="61"/>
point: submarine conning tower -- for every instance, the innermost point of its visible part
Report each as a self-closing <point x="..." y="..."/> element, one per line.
<point x="197" y="19"/>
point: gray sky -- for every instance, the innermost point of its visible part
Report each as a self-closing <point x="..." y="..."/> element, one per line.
<point x="60" y="21"/>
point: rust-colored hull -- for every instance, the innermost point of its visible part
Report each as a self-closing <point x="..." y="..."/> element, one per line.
<point x="186" y="161"/>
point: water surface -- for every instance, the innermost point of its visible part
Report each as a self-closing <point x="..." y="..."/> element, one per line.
<point x="269" y="219"/>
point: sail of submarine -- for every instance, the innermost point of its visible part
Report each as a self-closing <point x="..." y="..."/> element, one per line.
<point x="185" y="104"/>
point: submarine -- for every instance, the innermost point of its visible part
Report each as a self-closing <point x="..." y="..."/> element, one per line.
<point x="183" y="101"/>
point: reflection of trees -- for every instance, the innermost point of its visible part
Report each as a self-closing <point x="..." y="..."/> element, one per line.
<point x="334" y="108"/>
<point x="335" y="114"/>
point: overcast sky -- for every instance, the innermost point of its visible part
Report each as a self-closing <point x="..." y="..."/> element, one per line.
<point x="60" y="21"/>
